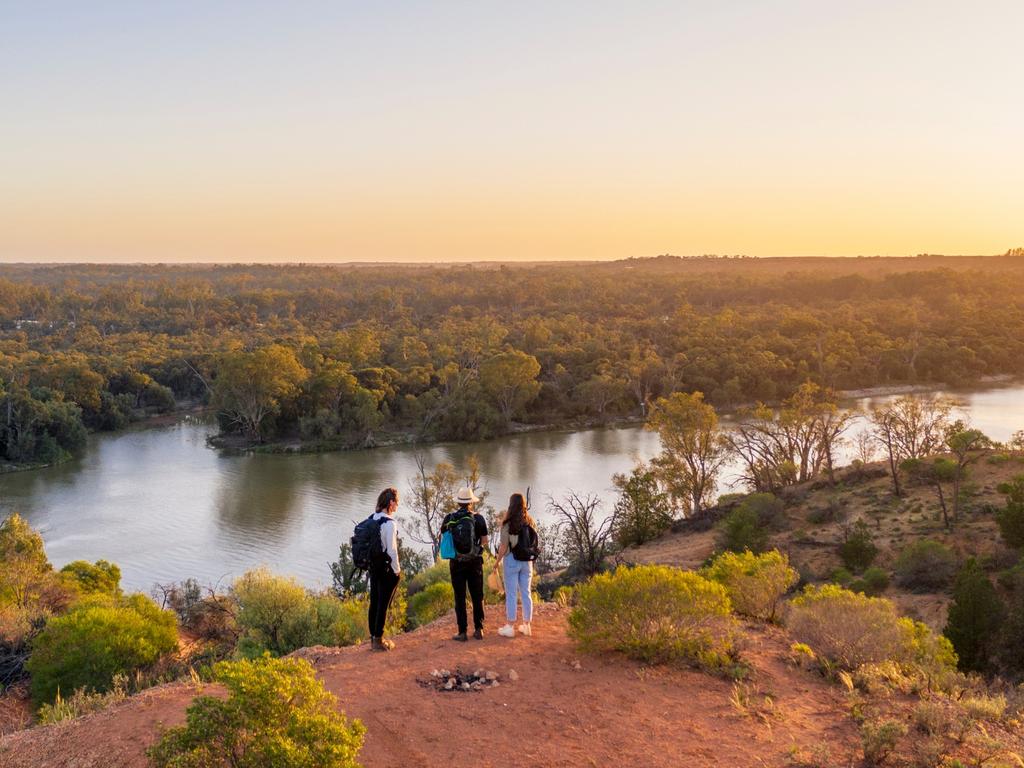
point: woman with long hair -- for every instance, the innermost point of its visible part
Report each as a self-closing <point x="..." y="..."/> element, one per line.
<point x="518" y="574"/>
<point x="385" y="569"/>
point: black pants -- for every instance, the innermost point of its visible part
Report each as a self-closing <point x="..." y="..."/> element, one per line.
<point x="468" y="574"/>
<point x="383" y="583"/>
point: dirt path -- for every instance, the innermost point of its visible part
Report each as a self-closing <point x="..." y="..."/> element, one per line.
<point x="596" y="712"/>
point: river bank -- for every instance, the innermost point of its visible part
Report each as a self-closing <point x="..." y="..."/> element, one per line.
<point x="237" y="444"/>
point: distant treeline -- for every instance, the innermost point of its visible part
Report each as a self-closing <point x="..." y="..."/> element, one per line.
<point x="338" y="355"/>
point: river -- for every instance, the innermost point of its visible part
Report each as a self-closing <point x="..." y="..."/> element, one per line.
<point x="164" y="506"/>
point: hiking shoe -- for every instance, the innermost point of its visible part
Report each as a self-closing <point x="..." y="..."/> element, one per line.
<point x="526" y="629"/>
<point x="478" y="634"/>
<point x="508" y="631"/>
<point x="376" y="644"/>
<point x="461" y="637"/>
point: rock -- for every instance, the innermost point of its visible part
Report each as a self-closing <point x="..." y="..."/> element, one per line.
<point x="577" y="665"/>
<point x="492" y="675"/>
<point x="513" y="675"/>
<point x="449" y="685"/>
<point x="465" y="686"/>
<point x="435" y="673"/>
<point x="495" y="684"/>
<point x="478" y="673"/>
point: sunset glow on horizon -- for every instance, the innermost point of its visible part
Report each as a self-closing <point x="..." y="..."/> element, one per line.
<point x="453" y="131"/>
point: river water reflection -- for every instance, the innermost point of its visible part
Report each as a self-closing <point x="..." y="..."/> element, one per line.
<point x="165" y="507"/>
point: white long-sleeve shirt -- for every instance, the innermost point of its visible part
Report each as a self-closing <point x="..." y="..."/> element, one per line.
<point x="389" y="539"/>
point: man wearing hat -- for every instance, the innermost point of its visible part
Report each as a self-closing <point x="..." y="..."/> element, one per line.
<point x="469" y="531"/>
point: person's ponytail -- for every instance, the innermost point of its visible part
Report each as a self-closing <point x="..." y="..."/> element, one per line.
<point x="387" y="496"/>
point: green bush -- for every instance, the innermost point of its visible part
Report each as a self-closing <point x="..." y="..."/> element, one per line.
<point x="642" y="512"/>
<point x="874" y="581"/>
<point x="770" y="509"/>
<point x="278" y="615"/>
<point x="275" y="613"/>
<point x="842" y="576"/>
<point x="97" y="639"/>
<point x="1011" y="517"/>
<point x="431" y="603"/>
<point x="850" y="629"/>
<point x="879" y="740"/>
<point x="654" y="613"/>
<point x="755" y="583"/>
<point x="858" y="550"/>
<point x="925" y="566"/>
<point x="277" y="715"/>
<point x="30" y="591"/>
<point x="99" y="578"/>
<point x="975" y="618"/>
<point x="741" y="530"/>
<point x="435" y="574"/>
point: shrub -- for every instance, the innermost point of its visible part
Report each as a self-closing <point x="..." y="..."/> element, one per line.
<point x="275" y="613"/>
<point x="642" y="512"/>
<point x="770" y="509"/>
<point x="842" y="577"/>
<point x="431" y="603"/>
<point x="1011" y="637"/>
<point x="654" y="613"/>
<point x="1011" y="517"/>
<point x="755" y="583"/>
<point x="99" y="578"/>
<point x="850" y="629"/>
<point x="278" y="615"/>
<point x="931" y="718"/>
<point x="879" y="740"/>
<point x="741" y="530"/>
<point x="975" y="617"/>
<point x="96" y="640"/>
<point x="435" y="574"/>
<point x="30" y="592"/>
<point x="858" y="550"/>
<point x="873" y="581"/>
<point x="277" y="714"/>
<point x="984" y="707"/>
<point x="210" y="617"/>
<point x="925" y="566"/>
<point x="344" y="622"/>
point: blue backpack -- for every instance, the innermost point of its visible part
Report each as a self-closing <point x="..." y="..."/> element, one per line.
<point x="447" y="546"/>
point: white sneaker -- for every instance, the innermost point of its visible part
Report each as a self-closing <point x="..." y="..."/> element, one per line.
<point x="526" y="629"/>
<point x="507" y="631"/>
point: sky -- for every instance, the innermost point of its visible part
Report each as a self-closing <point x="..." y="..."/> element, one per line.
<point x="453" y="131"/>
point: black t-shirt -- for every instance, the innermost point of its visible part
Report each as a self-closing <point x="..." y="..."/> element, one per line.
<point x="479" y="524"/>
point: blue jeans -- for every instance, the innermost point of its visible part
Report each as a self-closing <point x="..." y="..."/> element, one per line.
<point x="518" y="576"/>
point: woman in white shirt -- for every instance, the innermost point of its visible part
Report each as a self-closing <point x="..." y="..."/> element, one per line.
<point x="518" y="574"/>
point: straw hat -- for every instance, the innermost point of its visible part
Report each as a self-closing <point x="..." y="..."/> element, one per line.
<point x="466" y="496"/>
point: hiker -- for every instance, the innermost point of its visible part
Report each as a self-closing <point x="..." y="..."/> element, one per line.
<point x="384" y="568"/>
<point x="518" y="546"/>
<point x="464" y="538"/>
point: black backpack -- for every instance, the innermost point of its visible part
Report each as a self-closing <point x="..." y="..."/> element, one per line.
<point x="463" y="530"/>
<point x="527" y="546"/>
<point x="367" y="548"/>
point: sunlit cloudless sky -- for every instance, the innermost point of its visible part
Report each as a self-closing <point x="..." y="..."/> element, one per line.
<point x="335" y="131"/>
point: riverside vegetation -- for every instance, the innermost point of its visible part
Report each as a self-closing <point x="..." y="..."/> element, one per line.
<point x="844" y="621"/>
<point x="334" y="357"/>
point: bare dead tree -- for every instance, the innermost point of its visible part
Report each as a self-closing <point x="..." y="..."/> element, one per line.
<point x="587" y="534"/>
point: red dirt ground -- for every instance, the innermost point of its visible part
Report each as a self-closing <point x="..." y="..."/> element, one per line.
<point x="609" y="711"/>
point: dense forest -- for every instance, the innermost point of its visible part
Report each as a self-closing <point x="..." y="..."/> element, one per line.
<point x="340" y="356"/>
